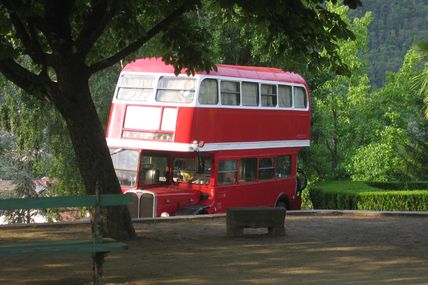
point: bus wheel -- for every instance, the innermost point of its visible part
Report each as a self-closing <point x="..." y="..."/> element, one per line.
<point x="281" y="204"/>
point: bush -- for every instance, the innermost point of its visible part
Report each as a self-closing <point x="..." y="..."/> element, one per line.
<point x="347" y="195"/>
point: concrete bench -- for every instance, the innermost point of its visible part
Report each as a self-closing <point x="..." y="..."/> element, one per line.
<point x="237" y="219"/>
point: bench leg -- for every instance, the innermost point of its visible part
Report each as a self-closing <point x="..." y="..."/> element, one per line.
<point x="276" y="231"/>
<point x="235" y="231"/>
<point x="97" y="268"/>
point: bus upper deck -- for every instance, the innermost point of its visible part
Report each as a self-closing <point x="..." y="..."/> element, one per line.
<point x="235" y="107"/>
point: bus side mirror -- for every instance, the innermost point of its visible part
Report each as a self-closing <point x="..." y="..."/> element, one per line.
<point x="301" y="181"/>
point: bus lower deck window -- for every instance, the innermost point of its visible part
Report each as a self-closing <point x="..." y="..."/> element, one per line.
<point x="283" y="166"/>
<point x="125" y="163"/>
<point x="247" y="169"/>
<point x="266" y="168"/>
<point x="227" y="171"/>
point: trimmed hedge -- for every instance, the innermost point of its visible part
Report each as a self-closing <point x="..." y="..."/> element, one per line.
<point x="418" y="185"/>
<point x="348" y="195"/>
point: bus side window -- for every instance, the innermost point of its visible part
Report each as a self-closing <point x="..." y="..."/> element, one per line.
<point x="284" y="96"/>
<point x="300" y="98"/>
<point x="175" y="89"/>
<point x="266" y="168"/>
<point x="269" y="95"/>
<point x="227" y="171"/>
<point x="247" y="169"/>
<point x="250" y="94"/>
<point x="208" y="92"/>
<point x="283" y="166"/>
<point x="230" y="93"/>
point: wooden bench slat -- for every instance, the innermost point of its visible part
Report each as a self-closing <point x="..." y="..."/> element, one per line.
<point x="64" y="202"/>
<point x="62" y="246"/>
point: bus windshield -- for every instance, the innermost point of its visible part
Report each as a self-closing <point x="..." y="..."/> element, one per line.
<point x="194" y="170"/>
<point x="153" y="169"/>
<point x="125" y="163"/>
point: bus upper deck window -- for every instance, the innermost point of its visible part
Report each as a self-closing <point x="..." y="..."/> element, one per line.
<point x="208" y="92"/>
<point x="135" y="87"/>
<point x="300" y="99"/>
<point x="269" y="94"/>
<point x="230" y="93"/>
<point x="175" y="89"/>
<point x="284" y="96"/>
<point x="250" y="94"/>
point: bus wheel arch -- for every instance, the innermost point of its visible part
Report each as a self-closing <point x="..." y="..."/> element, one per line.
<point x="282" y="202"/>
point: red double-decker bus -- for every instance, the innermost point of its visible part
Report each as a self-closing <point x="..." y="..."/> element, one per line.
<point x="201" y="144"/>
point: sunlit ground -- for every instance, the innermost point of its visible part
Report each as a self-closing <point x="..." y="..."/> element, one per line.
<point x="315" y="250"/>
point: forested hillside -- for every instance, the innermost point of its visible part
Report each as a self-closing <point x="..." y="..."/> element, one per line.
<point x="396" y="26"/>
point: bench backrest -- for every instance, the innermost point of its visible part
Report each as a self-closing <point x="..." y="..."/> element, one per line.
<point x="64" y="202"/>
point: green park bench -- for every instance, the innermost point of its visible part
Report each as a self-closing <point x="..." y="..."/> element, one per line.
<point x="97" y="245"/>
<point x="237" y="219"/>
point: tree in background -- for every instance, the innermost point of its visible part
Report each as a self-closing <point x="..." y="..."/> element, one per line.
<point x="51" y="49"/>
<point x="398" y="142"/>
<point x="421" y="80"/>
<point x="17" y="170"/>
<point x="339" y="123"/>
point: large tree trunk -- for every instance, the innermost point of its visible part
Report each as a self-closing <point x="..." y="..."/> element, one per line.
<point x="75" y="104"/>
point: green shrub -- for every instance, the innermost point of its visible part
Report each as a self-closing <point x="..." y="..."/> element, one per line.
<point x="347" y="195"/>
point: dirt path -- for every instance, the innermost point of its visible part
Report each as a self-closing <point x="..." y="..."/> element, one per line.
<point x="316" y="250"/>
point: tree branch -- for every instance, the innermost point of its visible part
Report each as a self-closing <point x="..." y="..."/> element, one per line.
<point x="39" y="86"/>
<point x="143" y="39"/>
<point x="29" y="39"/>
<point x="95" y="24"/>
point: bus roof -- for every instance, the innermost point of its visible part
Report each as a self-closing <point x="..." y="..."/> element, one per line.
<point x="156" y="65"/>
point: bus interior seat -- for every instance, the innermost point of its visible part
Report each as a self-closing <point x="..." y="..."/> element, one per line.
<point x="151" y="176"/>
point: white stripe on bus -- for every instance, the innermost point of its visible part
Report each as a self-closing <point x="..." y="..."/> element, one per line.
<point x="185" y="147"/>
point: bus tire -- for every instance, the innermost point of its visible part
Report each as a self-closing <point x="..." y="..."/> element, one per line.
<point x="281" y="204"/>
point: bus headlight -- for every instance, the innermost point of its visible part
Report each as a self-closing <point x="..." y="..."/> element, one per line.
<point x="164" y="214"/>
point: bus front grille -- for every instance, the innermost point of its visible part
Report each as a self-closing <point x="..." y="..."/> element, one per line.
<point x="142" y="205"/>
<point x="147" y="205"/>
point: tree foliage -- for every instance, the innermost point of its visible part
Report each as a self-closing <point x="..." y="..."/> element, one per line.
<point x="339" y="106"/>
<point x="421" y="80"/>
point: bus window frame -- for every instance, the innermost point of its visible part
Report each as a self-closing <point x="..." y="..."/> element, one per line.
<point x="198" y="91"/>
<point x="158" y="154"/>
<point x="229" y="93"/>
<point x="178" y="78"/>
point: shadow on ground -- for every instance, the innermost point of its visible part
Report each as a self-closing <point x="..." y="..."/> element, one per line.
<point x="315" y="250"/>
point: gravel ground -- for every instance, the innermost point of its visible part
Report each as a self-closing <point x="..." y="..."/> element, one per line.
<point x="317" y="249"/>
